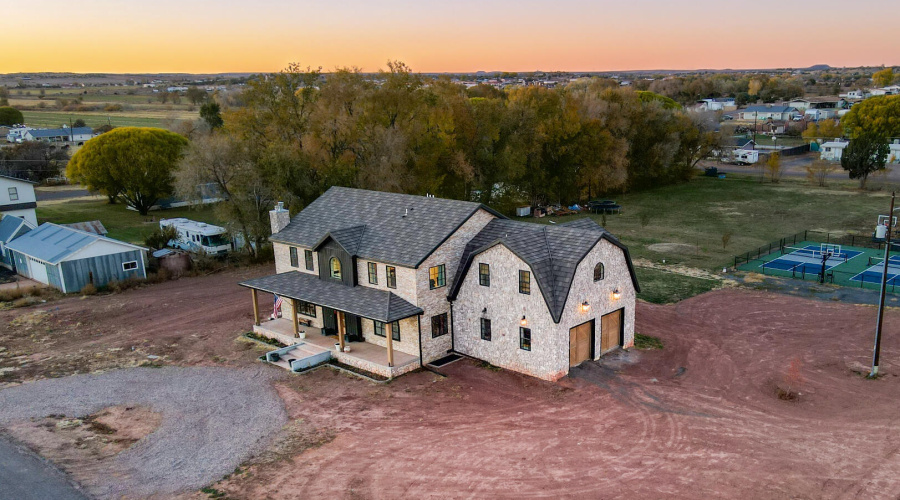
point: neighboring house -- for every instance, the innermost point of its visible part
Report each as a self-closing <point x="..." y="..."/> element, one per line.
<point x="11" y="227"/>
<point x="16" y="134"/>
<point x="91" y="226"/>
<point x="716" y="104"/>
<point x="826" y="102"/>
<point x="855" y="94"/>
<point x="77" y="135"/>
<point x="69" y="259"/>
<point x="17" y="198"/>
<point x="894" y="155"/>
<point x="762" y="113"/>
<point x="832" y="150"/>
<point x="409" y="279"/>
<point x="817" y="114"/>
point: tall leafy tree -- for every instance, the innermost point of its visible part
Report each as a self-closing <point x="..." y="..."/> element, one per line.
<point x="135" y="163"/>
<point x="867" y="153"/>
<point x="878" y="115"/>
<point x="10" y="116"/>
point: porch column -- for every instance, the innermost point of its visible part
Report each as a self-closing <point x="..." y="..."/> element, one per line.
<point x="340" y="326"/>
<point x="255" y="307"/>
<point x="390" y="343"/>
<point x="296" y="318"/>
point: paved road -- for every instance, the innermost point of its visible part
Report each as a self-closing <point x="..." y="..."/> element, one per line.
<point x="43" y="195"/>
<point x="795" y="166"/>
<point x="25" y="476"/>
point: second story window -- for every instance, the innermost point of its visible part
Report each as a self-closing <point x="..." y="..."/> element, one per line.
<point x="599" y="272"/>
<point x="373" y="273"/>
<point x="13" y="194"/>
<point x="484" y="274"/>
<point x="436" y="277"/>
<point x="335" y="266"/>
<point x="295" y="261"/>
<point x="391" y="273"/>
<point x="525" y="282"/>
<point x="307" y="254"/>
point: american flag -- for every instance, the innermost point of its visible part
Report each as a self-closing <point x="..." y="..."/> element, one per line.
<point x="277" y="308"/>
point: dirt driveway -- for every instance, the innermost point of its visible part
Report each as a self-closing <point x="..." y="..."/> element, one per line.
<point x="698" y="419"/>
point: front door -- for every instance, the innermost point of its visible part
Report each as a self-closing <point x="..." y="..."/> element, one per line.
<point x="611" y="331"/>
<point x="329" y="318"/>
<point x="354" y="328"/>
<point x="581" y="343"/>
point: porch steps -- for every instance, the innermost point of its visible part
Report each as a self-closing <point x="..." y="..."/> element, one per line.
<point x="299" y="357"/>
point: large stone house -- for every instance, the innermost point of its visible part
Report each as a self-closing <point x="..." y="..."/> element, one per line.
<point x="403" y="281"/>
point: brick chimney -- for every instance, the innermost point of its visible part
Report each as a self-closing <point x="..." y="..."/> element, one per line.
<point x="279" y="218"/>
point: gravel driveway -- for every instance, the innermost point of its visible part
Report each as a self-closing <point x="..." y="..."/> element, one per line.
<point x="212" y="420"/>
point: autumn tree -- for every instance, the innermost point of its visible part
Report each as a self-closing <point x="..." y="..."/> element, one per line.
<point x="818" y="171"/>
<point x="135" y="163"/>
<point x="773" y="167"/>
<point x="883" y="78"/>
<point x="867" y="153"/>
<point x="878" y="115"/>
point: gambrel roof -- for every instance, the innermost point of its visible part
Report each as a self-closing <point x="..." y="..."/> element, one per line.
<point x="552" y="251"/>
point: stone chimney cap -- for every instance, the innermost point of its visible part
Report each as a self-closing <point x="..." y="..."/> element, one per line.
<point x="279" y="207"/>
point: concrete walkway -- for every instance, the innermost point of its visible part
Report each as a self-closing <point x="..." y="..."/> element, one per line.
<point x="26" y="476"/>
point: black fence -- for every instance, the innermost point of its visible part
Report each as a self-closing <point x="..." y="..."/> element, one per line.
<point x="833" y="276"/>
<point x="854" y="240"/>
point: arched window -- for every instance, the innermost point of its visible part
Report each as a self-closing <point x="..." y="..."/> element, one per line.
<point x="599" y="272"/>
<point x="335" y="265"/>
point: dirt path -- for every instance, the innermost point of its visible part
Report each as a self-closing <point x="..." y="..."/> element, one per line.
<point x="698" y="419"/>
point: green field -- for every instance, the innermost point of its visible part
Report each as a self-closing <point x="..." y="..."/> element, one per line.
<point x="123" y="224"/>
<point x="50" y="119"/>
<point x="685" y="223"/>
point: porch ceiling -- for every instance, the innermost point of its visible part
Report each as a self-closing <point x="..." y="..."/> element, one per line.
<point x="362" y="301"/>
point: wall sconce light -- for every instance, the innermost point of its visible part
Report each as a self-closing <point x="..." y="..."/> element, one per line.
<point x="524" y="321"/>
<point x="484" y="312"/>
<point x="616" y="294"/>
<point x="585" y="307"/>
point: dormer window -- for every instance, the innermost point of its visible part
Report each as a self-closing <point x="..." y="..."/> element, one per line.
<point x="335" y="266"/>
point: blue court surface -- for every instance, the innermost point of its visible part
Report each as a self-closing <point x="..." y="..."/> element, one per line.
<point x="808" y="260"/>
<point x="873" y="274"/>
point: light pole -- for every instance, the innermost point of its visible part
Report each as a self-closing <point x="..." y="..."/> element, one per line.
<point x="884" y="272"/>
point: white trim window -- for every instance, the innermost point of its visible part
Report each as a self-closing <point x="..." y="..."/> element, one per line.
<point x="131" y="265"/>
<point x="13" y="194"/>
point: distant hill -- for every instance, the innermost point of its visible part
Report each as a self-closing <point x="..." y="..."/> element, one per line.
<point x="818" y="67"/>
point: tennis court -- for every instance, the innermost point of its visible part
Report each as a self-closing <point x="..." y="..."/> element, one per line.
<point x="852" y="266"/>
<point x="873" y="273"/>
<point x="808" y="259"/>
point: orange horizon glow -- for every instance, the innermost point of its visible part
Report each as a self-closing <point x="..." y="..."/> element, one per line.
<point x="227" y="36"/>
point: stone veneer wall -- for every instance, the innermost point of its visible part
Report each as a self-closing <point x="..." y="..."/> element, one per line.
<point x="406" y="279"/>
<point x="435" y="302"/>
<point x="409" y="335"/>
<point x="283" y="265"/>
<point x="549" y="355"/>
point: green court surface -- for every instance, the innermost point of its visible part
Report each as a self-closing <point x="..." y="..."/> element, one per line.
<point x="851" y="266"/>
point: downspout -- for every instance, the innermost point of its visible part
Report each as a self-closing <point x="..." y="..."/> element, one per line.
<point x="452" y="334"/>
<point x="419" y="324"/>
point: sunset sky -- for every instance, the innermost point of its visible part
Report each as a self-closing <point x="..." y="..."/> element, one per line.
<point x="199" y="36"/>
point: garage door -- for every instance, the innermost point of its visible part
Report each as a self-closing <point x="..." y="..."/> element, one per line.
<point x="610" y="331"/>
<point x="581" y="339"/>
<point x="38" y="272"/>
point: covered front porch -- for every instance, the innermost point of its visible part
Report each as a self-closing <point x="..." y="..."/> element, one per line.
<point x="344" y="301"/>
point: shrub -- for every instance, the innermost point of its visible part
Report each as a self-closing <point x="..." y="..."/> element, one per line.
<point x="646" y="342"/>
<point x="113" y="107"/>
<point x="89" y="289"/>
<point x="10" y="116"/>
<point x="160" y="237"/>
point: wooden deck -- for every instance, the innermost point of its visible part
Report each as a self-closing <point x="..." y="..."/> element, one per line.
<point x="363" y="355"/>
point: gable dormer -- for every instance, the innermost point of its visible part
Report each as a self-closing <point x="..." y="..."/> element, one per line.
<point x="337" y="252"/>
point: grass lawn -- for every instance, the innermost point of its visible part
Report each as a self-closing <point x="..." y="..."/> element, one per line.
<point x="661" y="287"/>
<point x="93" y="119"/>
<point x="783" y="140"/>
<point x="685" y="223"/>
<point x="123" y="224"/>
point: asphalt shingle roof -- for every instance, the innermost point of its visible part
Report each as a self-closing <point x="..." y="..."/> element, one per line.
<point x="362" y="301"/>
<point x="52" y="243"/>
<point x="388" y="227"/>
<point x="552" y="251"/>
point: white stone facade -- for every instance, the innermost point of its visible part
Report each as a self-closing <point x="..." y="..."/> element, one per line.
<point x="549" y="355"/>
<point x="434" y="302"/>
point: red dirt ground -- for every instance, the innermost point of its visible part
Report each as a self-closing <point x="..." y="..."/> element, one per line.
<point x="698" y="419"/>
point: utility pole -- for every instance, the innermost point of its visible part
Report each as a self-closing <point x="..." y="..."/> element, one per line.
<point x="884" y="272"/>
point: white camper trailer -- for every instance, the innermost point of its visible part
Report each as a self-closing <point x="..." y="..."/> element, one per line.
<point x="746" y="156"/>
<point x="198" y="237"/>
